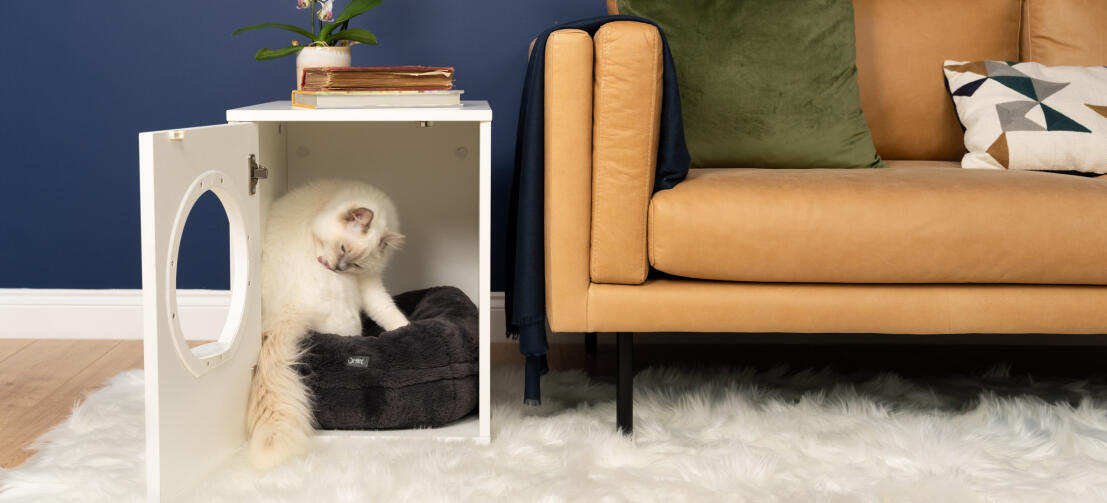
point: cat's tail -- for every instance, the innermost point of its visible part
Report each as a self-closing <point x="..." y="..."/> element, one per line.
<point x="279" y="417"/>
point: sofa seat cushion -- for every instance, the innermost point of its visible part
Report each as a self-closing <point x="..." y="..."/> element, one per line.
<point x="903" y="224"/>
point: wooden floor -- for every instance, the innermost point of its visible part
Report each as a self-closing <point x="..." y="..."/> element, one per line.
<point x="41" y="380"/>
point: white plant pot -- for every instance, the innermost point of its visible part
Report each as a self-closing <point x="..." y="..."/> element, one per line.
<point x="315" y="57"/>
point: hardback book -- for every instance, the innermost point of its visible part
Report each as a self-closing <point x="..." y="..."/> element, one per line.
<point x="424" y="78"/>
<point x="371" y="99"/>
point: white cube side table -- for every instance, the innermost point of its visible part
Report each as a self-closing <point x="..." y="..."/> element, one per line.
<point x="435" y="163"/>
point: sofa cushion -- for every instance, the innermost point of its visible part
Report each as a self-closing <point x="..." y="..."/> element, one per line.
<point x="900" y="48"/>
<point x="1065" y="32"/>
<point x="1031" y="116"/>
<point x="765" y="84"/>
<point x="895" y="225"/>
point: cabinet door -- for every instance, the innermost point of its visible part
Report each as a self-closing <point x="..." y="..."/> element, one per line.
<point x="196" y="397"/>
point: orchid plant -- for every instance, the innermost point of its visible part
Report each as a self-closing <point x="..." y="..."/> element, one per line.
<point x="328" y="31"/>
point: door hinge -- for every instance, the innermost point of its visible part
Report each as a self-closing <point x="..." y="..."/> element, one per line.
<point x="257" y="172"/>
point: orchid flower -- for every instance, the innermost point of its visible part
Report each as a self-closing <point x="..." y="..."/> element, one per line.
<point x="303" y="4"/>
<point x="326" y="10"/>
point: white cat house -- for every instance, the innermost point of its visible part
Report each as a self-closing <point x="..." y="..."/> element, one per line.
<point x="435" y="164"/>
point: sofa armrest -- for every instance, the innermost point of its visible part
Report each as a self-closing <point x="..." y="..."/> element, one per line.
<point x="602" y="109"/>
<point x="626" y="114"/>
<point x="568" y="177"/>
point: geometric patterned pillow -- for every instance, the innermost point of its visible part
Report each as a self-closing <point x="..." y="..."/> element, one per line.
<point x="1030" y="116"/>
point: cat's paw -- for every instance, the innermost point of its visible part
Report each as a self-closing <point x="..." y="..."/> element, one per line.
<point x="395" y="325"/>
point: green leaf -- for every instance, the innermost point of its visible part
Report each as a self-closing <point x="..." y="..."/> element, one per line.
<point x="271" y="54"/>
<point x="356" y="8"/>
<point x="353" y="9"/>
<point x="289" y="27"/>
<point x="355" y="34"/>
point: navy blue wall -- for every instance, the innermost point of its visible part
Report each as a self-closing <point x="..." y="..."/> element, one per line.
<point x="82" y="79"/>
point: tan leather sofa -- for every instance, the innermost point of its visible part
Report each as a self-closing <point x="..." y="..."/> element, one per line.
<point x="922" y="247"/>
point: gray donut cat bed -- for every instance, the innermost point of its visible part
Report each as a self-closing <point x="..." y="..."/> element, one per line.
<point x="421" y="375"/>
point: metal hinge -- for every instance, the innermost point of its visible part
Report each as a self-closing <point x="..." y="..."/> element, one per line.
<point x="257" y="172"/>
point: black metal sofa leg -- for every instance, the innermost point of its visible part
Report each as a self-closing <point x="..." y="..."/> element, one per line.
<point x="590" y="343"/>
<point x="624" y="384"/>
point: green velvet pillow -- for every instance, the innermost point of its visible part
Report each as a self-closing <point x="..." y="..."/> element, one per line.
<point x="766" y="83"/>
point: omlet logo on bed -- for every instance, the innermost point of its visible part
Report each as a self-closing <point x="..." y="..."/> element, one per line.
<point x="357" y="361"/>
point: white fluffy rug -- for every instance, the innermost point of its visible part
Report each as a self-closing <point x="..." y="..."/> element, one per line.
<point x="707" y="435"/>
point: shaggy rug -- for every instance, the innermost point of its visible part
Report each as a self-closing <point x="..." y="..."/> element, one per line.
<point x="701" y="435"/>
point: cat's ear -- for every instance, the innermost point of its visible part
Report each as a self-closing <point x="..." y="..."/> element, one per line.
<point x="392" y="240"/>
<point x="359" y="218"/>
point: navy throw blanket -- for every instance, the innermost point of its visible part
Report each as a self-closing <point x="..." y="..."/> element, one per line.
<point x="525" y="298"/>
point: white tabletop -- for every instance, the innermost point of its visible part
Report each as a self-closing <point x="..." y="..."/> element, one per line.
<point x="283" y="111"/>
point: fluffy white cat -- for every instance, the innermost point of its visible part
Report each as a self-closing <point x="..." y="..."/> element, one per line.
<point x="326" y="245"/>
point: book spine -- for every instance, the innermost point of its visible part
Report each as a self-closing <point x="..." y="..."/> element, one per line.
<point x="299" y="104"/>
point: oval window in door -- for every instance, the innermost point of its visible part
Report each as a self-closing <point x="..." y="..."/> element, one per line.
<point x="203" y="271"/>
<point x="208" y="274"/>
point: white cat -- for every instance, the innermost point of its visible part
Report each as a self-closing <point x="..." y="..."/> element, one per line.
<point x="326" y="245"/>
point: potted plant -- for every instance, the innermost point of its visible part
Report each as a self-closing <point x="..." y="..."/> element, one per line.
<point x="329" y="39"/>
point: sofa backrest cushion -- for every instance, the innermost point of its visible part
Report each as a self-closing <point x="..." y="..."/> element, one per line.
<point x="901" y="45"/>
<point x="1064" y="32"/>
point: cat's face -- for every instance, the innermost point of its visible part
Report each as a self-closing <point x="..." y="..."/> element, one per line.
<point x="349" y="241"/>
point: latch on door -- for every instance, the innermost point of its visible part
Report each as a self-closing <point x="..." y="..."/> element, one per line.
<point x="257" y="172"/>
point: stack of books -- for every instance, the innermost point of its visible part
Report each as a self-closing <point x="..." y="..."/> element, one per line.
<point x="377" y="86"/>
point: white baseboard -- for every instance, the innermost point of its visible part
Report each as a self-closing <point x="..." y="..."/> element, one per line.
<point x="117" y="314"/>
<point x="102" y="314"/>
